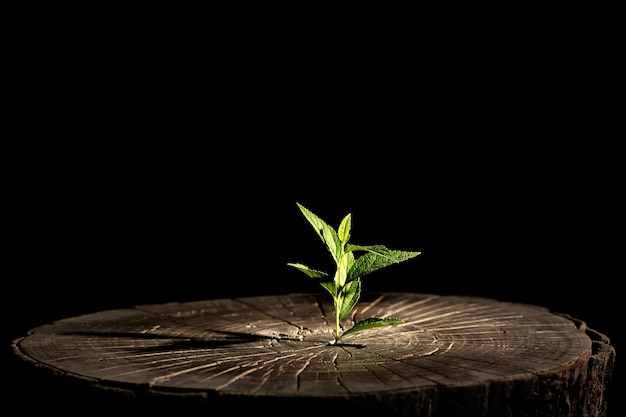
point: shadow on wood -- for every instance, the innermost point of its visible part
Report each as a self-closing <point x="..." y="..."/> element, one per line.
<point x="452" y="356"/>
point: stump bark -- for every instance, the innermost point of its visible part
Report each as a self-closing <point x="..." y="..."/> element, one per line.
<point x="452" y="356"/>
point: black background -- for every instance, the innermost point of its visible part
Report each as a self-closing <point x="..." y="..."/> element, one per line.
<point x="113" y="228"/>
<point x="156" y="171"/>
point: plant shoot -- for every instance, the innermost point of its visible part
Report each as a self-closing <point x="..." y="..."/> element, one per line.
<point x="345" y="284"/>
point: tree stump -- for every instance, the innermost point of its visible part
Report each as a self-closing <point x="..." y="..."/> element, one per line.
<point x="453" y="356"/>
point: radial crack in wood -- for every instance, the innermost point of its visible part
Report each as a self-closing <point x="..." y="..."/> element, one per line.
<point x="453" y="355"/>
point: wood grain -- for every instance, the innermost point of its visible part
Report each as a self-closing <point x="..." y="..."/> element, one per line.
<point x="454" y="355"/>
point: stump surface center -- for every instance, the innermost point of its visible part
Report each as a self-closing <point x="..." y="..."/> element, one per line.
<point x="278" y="345"/>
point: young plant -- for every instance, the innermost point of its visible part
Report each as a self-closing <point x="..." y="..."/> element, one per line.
<point x="345" y="284"/>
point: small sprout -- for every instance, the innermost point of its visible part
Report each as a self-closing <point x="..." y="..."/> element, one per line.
<point x="345" y="285"/>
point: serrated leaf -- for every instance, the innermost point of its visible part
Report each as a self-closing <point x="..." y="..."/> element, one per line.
<point x="330" y="287"/>
<point x="377" y="257"/>
<point x="351" y="294"/>
<point x="313" y="273"/>
<point x="320" y="276"/>
<point x="371" y="323"/>
<point x="324" y="231"/>
<point x="345" y="286"/>
<point x="369" y="248"/>
<point x="394" y="255"/>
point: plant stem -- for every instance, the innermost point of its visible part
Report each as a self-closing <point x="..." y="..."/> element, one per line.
<point x="337" y="309"/>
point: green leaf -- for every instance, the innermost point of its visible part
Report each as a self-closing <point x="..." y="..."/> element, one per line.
<point x="330" y="287"/>
<point x="371" y="248"/>
<point x="344" y="229"/>
<point x="345" y="286"/>
<point x="376" y="258"/>
<point x="394" y="255"/>
<point x="372" y="322"/>
<point x="351" y="294"/>
<point x="313" y="273"/>
<point x="325" y="232"/>
<point x="320" y="276"/>
<point x="342" y="271"/>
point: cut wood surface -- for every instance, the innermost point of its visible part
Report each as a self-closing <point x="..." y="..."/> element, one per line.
<point x="453" y="356"/>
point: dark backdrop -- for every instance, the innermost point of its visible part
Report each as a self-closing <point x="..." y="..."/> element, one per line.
<point x="146" y="170"/>
<point x="110" y="226"/>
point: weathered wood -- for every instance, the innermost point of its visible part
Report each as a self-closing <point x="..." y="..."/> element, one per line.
<point x="453" y="356"/>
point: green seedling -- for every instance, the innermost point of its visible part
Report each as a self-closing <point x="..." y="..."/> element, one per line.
<point x="345" y="285"/>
